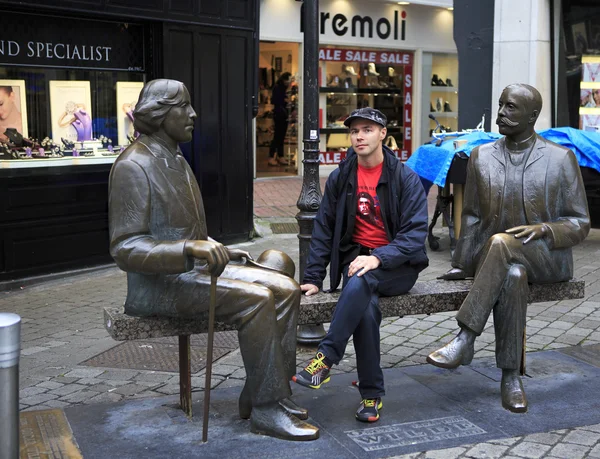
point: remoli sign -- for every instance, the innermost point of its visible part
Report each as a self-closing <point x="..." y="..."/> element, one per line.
<point x="362" y="26"/>
<point x="69" y="42"/>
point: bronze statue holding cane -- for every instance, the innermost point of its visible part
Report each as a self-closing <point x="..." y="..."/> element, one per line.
<point x="525" y="207"/>
<point x="158" y="235"/>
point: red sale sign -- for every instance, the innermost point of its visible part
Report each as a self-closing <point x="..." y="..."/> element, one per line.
<point x="365" y="56"/>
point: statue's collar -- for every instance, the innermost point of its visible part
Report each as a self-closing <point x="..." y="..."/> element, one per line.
<point x="164" y="151"/>
<point x="523" y="145"/>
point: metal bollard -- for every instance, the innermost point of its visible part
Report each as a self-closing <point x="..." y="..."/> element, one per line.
<point x="10" y="344"/>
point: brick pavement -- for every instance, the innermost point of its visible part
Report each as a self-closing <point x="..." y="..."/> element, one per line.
<point x="63" y="326"/>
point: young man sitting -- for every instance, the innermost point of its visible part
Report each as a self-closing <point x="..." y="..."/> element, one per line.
<point x="371" y="228"/>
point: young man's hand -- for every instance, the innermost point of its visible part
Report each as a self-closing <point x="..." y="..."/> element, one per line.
<point x="363" y="264"/>
<point x="309" y="289"/>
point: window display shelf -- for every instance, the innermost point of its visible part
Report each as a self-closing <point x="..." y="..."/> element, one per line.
<point x="57" y="162"/>
<point x="444" y="89"/>
<point x="344" y="130"/>
<point x="355" y="91"/>
<point x="445" y="114"/>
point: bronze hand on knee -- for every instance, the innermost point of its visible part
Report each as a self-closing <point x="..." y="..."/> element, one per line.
<point x="457" y="352"/>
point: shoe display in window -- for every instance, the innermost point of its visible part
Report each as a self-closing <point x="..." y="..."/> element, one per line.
<point x="439" y="105"/>
<point x="371" y="69"/>
<point x="349" y="70"/>
<point x="434" y="80"/>
<point x="449" y="82"/>
<point x="447" y="107"/>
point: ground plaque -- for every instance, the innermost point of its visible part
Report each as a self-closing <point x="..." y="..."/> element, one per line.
<point x="47" y="434"/>
<point x="413" y="433"/>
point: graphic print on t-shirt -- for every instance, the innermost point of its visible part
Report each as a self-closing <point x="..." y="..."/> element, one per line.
<point x="369" y="229"/>
<point x="368" y="208"/>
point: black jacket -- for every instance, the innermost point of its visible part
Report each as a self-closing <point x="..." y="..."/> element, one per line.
<point x="404" y="212"/>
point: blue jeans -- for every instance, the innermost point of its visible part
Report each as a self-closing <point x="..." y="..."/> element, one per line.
<point x="357" y="314"/>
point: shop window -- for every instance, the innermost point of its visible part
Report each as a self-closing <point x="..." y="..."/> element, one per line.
<point x="581" y="34"/>
<point x="351" y="79"/>
<point x="63" y="112"/>
<point x="440" y="93"/>
<point x="277" y="122"/>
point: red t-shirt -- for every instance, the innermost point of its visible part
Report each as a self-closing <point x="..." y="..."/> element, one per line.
<point x="369" y="229"/>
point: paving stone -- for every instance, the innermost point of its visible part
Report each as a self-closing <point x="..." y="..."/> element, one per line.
<point x="592" y="428"/>
<point x="84" y="373"/>
<point x="582" y="437"/>
<point x="168" y="389"/>
<point x="544" y="438"/>
<point x="119" y="374"/>
<point x="595" y="452"/>
<point x="549" y="331"/>
<point x="394" y="340"/>
<point x="50" y="385"/>
<point x="56" y="404"/>
<point x="486" y="450"/>
<point x="31" y="391"/>
<point x="33" y="350"/>
<point x="448" y="453"/>
<point x="529" y="449"/>
<point x="106" y="397"/>
<point x="570" y="451"/>
<point x="506" y="441"/>
<point x="67" y="389"/>
<point x="37" y="399"/>
<point x="131" y="389"/>
<point x="79" y="397"/>
<point x="569" y="339"/>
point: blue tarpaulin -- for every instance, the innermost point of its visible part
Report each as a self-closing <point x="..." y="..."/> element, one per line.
<point x="432" y="163"/>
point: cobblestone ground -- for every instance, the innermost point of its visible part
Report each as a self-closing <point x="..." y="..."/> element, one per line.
<point x="63" y="327"/>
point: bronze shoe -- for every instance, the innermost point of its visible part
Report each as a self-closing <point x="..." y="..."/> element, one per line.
<point x="290" y="406"/>
<point x="245" y="406"/>
<point x="457" y="352"/>
<point x="513" y="394"/>
<point x="273" y="420"/>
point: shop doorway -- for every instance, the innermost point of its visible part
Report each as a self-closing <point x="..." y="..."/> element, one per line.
<point x="277" y="122"/>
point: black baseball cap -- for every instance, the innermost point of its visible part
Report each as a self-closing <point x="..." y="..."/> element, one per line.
<point x="367" y="113"/>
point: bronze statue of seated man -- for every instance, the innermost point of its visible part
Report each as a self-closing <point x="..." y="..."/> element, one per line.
<point x="158" y="235"/>
<point x="525" y="207"/>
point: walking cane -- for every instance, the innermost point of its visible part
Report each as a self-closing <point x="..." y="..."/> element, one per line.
<point x="209" y="354"/>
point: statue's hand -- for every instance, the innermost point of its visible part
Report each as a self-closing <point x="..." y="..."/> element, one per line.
<point x="309" y="289"/>
<point x="213" y="252"/>
<point x="530" y="232"/>
<point x="454" y="274"/>
<point x="237" y="255"/>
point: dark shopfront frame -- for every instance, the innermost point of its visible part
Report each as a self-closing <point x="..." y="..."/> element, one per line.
<point x="56" y="218"/>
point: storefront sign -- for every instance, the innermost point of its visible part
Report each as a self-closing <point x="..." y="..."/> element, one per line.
<point x="361" y="55"/>
<point x="363" y="26"/>
<point x="47" y="41"/>
<point x="363" y="23"/>
<point x="327" y="158"/>
<point x="407" y="141"/>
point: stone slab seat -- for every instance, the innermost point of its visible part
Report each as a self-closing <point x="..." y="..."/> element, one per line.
<point x="426" y="297"/>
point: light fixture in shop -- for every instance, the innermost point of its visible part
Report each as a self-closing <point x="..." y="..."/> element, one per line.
<point x="403" y="3"/>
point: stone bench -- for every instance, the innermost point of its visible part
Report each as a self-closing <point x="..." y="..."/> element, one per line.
<point x="426" y="297"/>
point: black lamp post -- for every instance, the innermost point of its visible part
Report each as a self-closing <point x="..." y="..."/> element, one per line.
<point x="310" y="196"/>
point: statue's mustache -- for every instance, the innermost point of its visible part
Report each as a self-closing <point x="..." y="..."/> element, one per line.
<point x="505" y="120"/>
